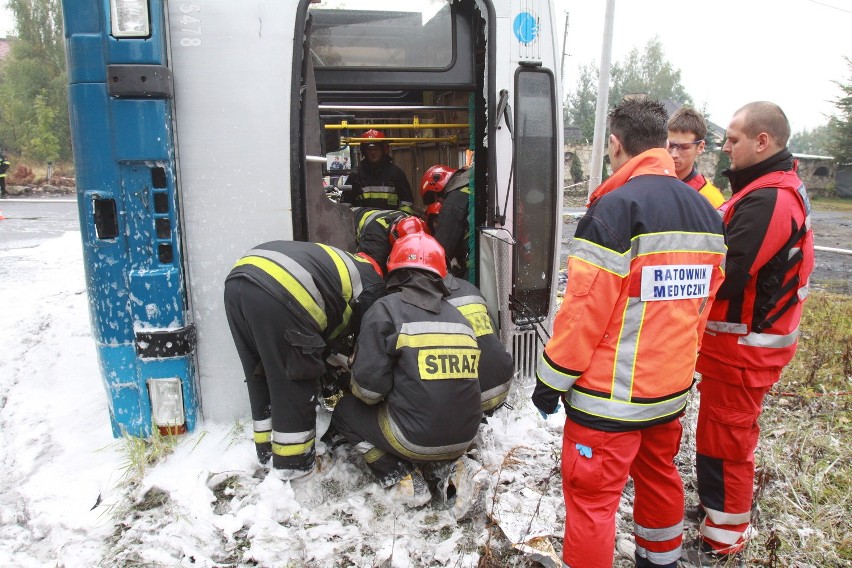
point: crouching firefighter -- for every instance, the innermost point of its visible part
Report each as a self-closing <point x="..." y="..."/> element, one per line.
<point x="415" y="377"/>
<point x="286" y="301"/>
<point x="495" y="364"/>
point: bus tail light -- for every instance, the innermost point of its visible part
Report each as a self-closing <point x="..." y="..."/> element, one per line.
<point x="167" y="405"/>
<point x="130" y="18"/>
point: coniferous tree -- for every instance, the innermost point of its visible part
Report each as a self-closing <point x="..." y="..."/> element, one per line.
<point x="840" y="125"/>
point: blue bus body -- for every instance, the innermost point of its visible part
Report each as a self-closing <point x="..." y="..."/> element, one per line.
<point x="125" y="163"/>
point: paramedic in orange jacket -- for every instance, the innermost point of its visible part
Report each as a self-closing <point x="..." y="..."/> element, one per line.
<point x="644" y="264"/>
<point x="753" y="329"/>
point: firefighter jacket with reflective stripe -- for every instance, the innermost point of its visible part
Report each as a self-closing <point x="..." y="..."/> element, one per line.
<point x="453" y="227"/>
<point x="382" y="185"/>
<point x="424" y="366"/>
<point x="330" y="288"/>
<point x="754" y="322"/>
<point x="372" y="227"/>
<point x="495" y="365"/>
<point x="700" y="184"/>
<point x="644" y="263"/>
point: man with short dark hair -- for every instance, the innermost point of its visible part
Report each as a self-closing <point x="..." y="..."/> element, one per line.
<point x="643" y="265"/>
<point x="753" y="327"/>
<point x="687" y="131"/>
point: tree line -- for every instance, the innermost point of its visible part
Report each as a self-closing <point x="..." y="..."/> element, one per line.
<point x="34" y="91"/>
<point x="647" y="71"/>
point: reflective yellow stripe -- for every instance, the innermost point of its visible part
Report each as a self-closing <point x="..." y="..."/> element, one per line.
<point x="346" y="287"/>
<point x="262" y="437"/>
<point x="293" y="286"/>
<point x="477" y="315"/>
<point x="393" y="434"/>
<point x="373" y="455"/>
<point x="292" y="449"/>
<point x="435" y="340"/>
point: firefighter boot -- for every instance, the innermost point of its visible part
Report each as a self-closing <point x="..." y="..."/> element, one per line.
<point x="465" y="488"/>
<point x="411" y="490"/>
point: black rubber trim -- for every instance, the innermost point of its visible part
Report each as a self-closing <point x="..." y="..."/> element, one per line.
<point x="163" y="344"/>
<point x="140" y="81"/>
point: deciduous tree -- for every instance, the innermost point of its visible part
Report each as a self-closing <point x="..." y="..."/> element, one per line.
<point x="647" y="72"/>
<point x="35" y="71"/>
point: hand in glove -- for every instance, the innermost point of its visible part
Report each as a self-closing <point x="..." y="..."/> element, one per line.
<point x="545" y="399"/>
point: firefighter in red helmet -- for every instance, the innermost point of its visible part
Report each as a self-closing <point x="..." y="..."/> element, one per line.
<point x="377" y="181"/>
<point x="450" y="188"/>
<point x="415" y="395"/>
<point x="496" y="368"/>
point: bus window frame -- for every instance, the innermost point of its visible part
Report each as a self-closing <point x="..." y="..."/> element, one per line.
<point x="540" y="311"/>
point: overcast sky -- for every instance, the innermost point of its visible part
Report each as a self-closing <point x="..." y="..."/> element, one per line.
<point x="730" y="52"/>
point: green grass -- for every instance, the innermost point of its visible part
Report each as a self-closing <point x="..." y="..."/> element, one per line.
<point x="843" y="205"/>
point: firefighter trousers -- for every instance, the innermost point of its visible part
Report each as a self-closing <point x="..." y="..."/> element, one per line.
<point x="281" y="356"/>
<point x="726" y="437"/>
<point x="359" y="423"/>
<point x="595" y="468"/>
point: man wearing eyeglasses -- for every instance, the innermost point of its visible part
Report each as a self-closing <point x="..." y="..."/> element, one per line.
<point x="687" y="130"/>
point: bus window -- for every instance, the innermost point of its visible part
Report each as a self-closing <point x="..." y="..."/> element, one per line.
<point x="412" y="34"/>
<point x="535" y="187"/>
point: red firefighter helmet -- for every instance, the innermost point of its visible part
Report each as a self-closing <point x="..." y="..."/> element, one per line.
<point x="418" y="250"/>
<point x="376" y="137"/>
<point x="406" y="226"/>
<point x="372" y="261"/>
<point x="434" y="181"/>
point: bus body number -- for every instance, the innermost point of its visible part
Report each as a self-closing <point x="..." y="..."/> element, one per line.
<point x="190" y="23"/>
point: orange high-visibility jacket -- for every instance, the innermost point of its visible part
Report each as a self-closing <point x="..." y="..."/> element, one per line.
<point x="645" y="262"/>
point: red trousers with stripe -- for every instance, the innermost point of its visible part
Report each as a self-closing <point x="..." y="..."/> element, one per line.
<point x="726" y="437"/>
<point x="592" y="488"/>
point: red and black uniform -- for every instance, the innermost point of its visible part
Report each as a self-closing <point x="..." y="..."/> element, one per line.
<point x="381" y="185"/>
<point x="372" y="228"/>
<point x="285" y="301"/>
<point x="414" y="380"/>
<point x="495" y="366"/>
<point x="700" y="184"/>
<point x="751" y="335"/>
<point x="453" y="228"/>
<point x="644" y="263"/>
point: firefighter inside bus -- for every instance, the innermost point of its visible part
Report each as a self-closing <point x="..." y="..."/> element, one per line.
<point x="445" y="193"/>
<point x="377" y="181"/>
